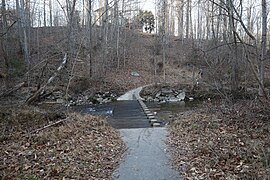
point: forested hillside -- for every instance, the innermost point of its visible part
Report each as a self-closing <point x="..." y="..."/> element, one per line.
<point x="226" y="41"/>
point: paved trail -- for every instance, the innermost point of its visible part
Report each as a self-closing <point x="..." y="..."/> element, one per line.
<point x="147" y="157"/>
<point x="131" y="95"/>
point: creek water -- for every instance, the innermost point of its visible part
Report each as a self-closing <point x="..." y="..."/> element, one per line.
<point x="166" y="111"/>
<point x="128" y="114"/>
<point x="120" y="115"/>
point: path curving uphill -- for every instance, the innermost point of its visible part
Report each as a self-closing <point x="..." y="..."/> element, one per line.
<point x="133" y="94"/>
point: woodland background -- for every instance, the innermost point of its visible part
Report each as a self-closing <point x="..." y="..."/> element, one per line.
<point x="226" y="40"/>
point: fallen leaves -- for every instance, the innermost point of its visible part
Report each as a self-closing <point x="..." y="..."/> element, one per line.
<point x="82" y="147"/>
<point x="229" y="142"/>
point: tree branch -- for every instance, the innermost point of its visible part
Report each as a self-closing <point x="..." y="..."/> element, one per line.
<point x="34" y="97"/>
<point x="47" y="126"/>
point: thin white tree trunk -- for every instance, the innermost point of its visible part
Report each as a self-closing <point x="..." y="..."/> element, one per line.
<point x="44" y="13"/>
<point x="51" y="15"/>
<point x="187" y="19"/>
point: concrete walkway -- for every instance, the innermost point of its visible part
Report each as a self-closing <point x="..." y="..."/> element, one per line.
<point x="130" y="95"/>
<point x="147" y="157"/>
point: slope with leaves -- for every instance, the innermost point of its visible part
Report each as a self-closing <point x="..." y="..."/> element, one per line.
<point x="81" y="147"/>
<point x="221" y="142"/>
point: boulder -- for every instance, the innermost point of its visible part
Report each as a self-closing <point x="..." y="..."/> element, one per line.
<point x="156" y="124"/>
<point x="135" y="74"/>
<point x="60" y="101"/>
<point x="100" y="99"/>
<point x="173" y="99"/>
<point x="106" y="100"/>
<point x="181" y="96"/>
<point x="166" y="91"/>
<point x="158" y="94"/>
<point x="150" y="99"/>
<point x="58" y="94"/>
<point x="153" y="121"/>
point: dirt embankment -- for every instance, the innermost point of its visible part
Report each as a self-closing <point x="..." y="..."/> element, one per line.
<point x="75" y="147"/>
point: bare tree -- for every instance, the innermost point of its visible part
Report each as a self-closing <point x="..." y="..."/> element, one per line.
<point x="44" y="13"/>
<point x="89" y="18"/>
<point x="263" y="47"/>
<point x="163" y="36"/>
<point x="22" y="30"/>
<point x="180" y="17"/>
<point x="4" y="40"/>
<point x="50" y="12"/>
<point x="187" y="18"/>
<point x="232" y="38"/>
<point x="70" y="9"/>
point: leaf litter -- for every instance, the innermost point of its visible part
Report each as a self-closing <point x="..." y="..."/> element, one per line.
<point x="81" y="147"/>
<point x="222" y="142"/>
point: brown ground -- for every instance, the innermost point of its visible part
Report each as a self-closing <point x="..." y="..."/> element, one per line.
<point x="79" y="147"/>
<point x="222" y="142"/>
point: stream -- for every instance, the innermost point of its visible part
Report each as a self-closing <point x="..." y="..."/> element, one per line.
<point x="166" y="111"/>
<point x="125" y="114"/>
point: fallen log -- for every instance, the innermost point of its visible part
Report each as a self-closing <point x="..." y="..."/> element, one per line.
<point x="36" y="95"/>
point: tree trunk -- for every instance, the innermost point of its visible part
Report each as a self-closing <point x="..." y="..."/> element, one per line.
<point x="90" y="37"/>
<point x="83" y="13"/>
<point x="116" y="17"/>
<point x="263" y="47"/>
<point x="199" y="28"/>
<point x="207" y="20"/>
<point x="164" y="38"/>
<point x="51" y="15"/>
<point x="181" y="20"/>
<point x="213" y="21"/>
<point x="225" y="27"/>
<point x="4" y="43"/>
<point x="232" y="37"/>
<point x="22" y="31"/>
<point x="219" y="20"/>
<point x="190" y="20"/>
<point x="187" y="19"/>
<point x="44" y="14"/>
<point x="70" y="15"/>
